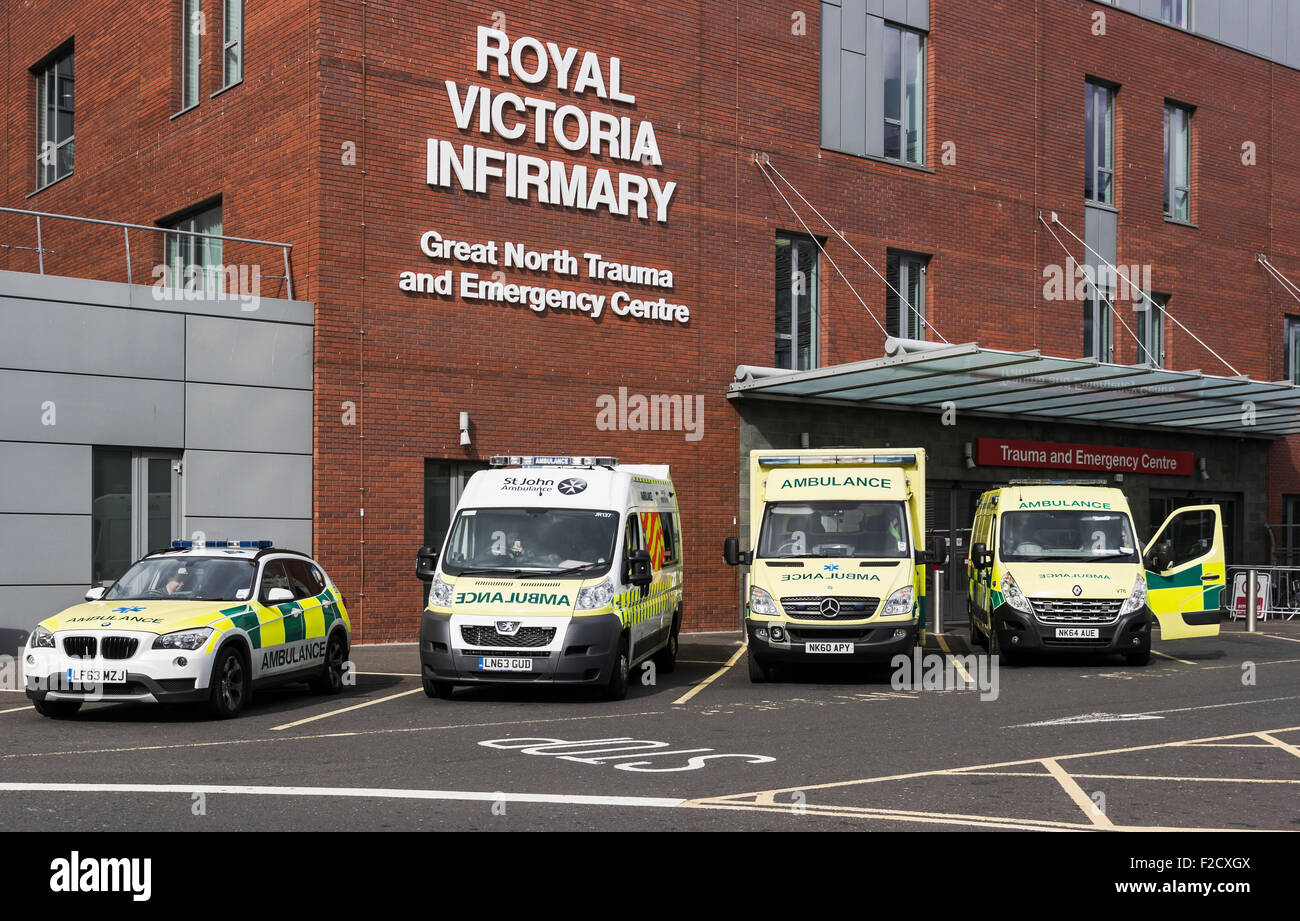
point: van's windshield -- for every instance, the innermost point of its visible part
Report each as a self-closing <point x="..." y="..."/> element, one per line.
<point x="531" y="542"/>
<point x="1076" y="536"/>
<point x="834" y="528"/>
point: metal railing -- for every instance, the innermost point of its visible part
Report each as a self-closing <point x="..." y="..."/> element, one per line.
<point x="1281" y="595"/>
<point x="285" y="248"/>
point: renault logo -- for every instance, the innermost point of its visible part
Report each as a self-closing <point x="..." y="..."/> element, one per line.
<point x="830" y="607"/>
<point x="572" y="486"/>
<point x="1078" y="590"/>
<point x="508" y="627"/>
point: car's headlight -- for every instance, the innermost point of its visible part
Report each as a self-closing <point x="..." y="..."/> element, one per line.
<point x="1137" y="599"/>
<point x="183" y="639"/>
<point x="41" y="639"/>
<point x="898" y="603"/>
<point x="1014" y="596"/>
<point x="440" y="592"/>
<point x="760" y="602"/>
<point x="595" y="596"/>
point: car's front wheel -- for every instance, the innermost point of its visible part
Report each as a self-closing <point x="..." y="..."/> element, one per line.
<point x="230" y="685"/>
<point x="330" y="680"/>
<point x="616" y="689"/>
<point x="439" y="689"/>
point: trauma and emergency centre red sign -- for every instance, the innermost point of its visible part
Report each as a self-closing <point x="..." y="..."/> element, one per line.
<point x="998" y="452"/>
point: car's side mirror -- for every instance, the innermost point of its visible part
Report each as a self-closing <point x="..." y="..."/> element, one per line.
<point x="96" y="593"/>
<point x="638" y="568"/>
<point x="279" y="596"/>
<point x="1160" y="557"/>
<point x="732" y="554"/>
<point x="980" y="556"/>
<point x="937" y="554"/>
<point x="426" y="563"/>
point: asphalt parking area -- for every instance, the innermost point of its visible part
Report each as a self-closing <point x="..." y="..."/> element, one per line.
<point x="1071" y="744"/>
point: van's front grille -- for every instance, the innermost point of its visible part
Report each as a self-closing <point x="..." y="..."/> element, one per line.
<point x="119" y="647"/>
<point x="83" y="647"/>
<point x="482" y="635"/>
<point x="809" y="607"/>
<point x="1076" y="610"/>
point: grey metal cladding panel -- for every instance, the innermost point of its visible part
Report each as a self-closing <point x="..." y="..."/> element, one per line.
<point x="1259" y="27"/>
<point x="1100" y="232"/>
<point x="1232" y="23"/>
<point x="50" y="479"/>
<point x="227" y="418"/>
<point x="896" y="10"/>
<point x="853" y="26"/>
<point x="875" y="7"/>
<point x="1278" y="32"/>
<point x="22" y="607"/>
<point x="57" y="336"/>
<point x="1293" y="38"/>
<point x="918" y="14"/>
<point x="874" y="102"/>
<point x="288" y="533"/>
<point x="92" y="410"/>
<point x="59" y="288"/>
<point x="247" y="485"/>
<point x="1205" y="18"/>
<point x="830" y="76"/>
<point x="45" y="549"/>
<point x="245" y="352"/>
<point x="853" y="86"/>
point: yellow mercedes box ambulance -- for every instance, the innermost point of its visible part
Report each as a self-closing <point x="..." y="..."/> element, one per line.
<point x="837" y="565"/>
<point x="1055" y="566"/>
<point x="555" y="570"/>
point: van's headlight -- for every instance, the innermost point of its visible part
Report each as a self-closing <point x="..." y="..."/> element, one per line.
<point x="1014" y="596"/>
<point x="183" y="639"/>
<point x="440" y="592"/>
<point x="898" y="603"/>
<point x="1137" y="599"/>
<point x="760" y="602"/>
<point x="595" y="596"/>
<point x="41" y="639"/>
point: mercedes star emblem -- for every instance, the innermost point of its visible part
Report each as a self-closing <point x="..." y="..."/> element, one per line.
<point x="830" y="607"/>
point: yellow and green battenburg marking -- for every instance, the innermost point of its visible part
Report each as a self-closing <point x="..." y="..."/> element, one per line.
<point x="268" y="626"/>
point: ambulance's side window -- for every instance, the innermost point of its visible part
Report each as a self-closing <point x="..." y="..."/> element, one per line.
<point x="668" y="523"/>
<point x="273" y="576"/>
<point x="304" y="585"/>
<point x="631" y="539"/>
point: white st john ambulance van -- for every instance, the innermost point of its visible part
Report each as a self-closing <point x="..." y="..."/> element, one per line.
<point x="1055" y="566"/>
<point x="837" y="569"/>
<point x="558" y="570"/>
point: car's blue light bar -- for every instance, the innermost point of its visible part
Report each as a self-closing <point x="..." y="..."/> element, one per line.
<point x="204" y="544"/>
<point x="516" y="460"/>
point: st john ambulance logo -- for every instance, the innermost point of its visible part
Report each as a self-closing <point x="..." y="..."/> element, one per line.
<point x="572" y="486"/>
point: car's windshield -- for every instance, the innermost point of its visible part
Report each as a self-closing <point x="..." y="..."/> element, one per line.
<point x="1073" y="536"/>
<point x="570" y="542"/>
<point x="186" y="579"/>
<point x="834" y="528"/>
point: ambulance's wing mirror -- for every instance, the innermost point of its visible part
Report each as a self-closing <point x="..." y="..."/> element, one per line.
<point x="96" y="593"/>
<point x="732" y="554"/>
<point x="937" y="555"/>
<point x="980" y="557"/>
<point x="1159" y="557"/>
<point x="638" y="568"/>
<point x="279" y="596"/>
<point x="426" y="562"/>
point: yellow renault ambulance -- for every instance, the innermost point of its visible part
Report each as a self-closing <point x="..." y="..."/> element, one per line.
<point x="555" y="570"/>
<point x="837" y="559"/>
<point x="1055" y="566"/>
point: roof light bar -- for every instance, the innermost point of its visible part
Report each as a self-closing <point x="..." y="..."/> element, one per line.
<point x="1062" y="482"/>
<point x="528" y="460"/>
<point x="823" y="460"/>
<point x="205" y="544"/>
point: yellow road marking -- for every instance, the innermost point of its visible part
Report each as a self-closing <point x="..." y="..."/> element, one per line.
<point x="1132" y="776"/>
<point x="1285" y="746"/>
<point x="1165" y="655"/>
<point x="368" y="703"/>
<point x="712" y="678"/>
<point x="948" y="652"/>
<point x="392" y="674"/>
<point x="16" y="709"/>
<point x="327" y="735"/>
<point x="702" y="661"/>
<point x="1081" y="799"/>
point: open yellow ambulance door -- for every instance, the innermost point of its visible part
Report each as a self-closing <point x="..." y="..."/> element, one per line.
<point x="1186" y="573"/>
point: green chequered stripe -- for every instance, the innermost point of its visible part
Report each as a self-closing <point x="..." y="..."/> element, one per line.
<point x="295" y="628"/>
<point x="246" y="620"/>
<point x="1185" y="579"/>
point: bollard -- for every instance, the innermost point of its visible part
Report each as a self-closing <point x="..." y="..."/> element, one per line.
<point x="936" y="606"/>
<point x="1252" y="599"/>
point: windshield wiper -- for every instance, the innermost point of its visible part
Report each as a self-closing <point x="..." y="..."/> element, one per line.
<point x="560" y="572"/>
<point x="490" y="572"/>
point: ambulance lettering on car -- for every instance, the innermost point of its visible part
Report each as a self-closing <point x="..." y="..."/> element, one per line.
<point x="200" y="623"/>
<point x="560" y="570"/>
<point x="1056" y="566"/>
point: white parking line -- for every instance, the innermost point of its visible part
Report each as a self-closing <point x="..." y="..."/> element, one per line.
<point x="1165" y="655"/>
<point x="643" y="802"/>
<point x="368" y="703"/>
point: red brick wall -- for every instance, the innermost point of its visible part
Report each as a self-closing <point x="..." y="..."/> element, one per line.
<point x="718" y="81"/>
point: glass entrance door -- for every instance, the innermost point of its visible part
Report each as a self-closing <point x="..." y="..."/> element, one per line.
<point x="950" y="510"/>
<point x="135" y="507"/>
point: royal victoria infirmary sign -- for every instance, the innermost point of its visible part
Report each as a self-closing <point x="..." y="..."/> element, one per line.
<point x="485" y="267"/>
